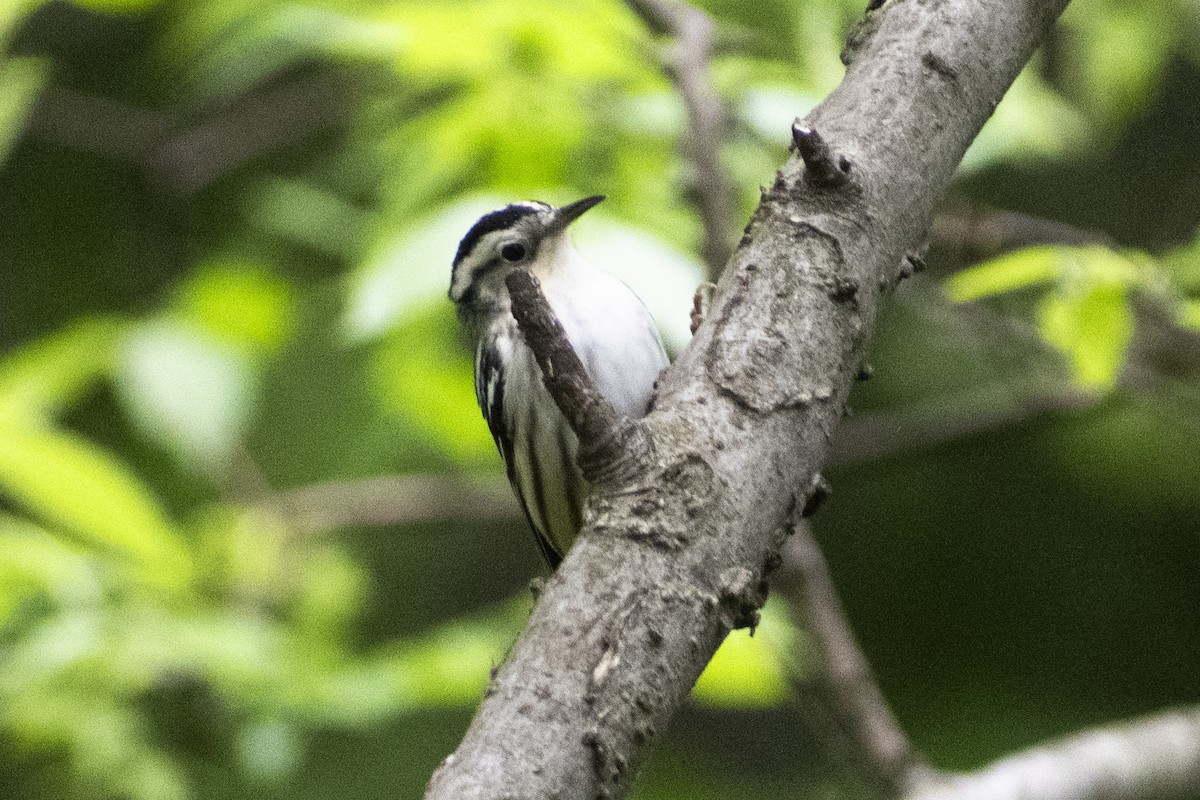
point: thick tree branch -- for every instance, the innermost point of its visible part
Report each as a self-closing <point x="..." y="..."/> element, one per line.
<point x="1155" y="757"/>
<point x="672" y="559"/>
<point x="687" y="62"/>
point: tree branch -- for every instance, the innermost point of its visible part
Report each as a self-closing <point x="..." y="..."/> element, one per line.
<point x="843" y="685"/>
<point x="397" y="500"/>
<point x="687" y="63"/>
<point x="185" y="160"/>
<point x="870" y="437"/>
<point x="1155" y="757"/>
<point x="673" y="558"/>
<point x="978" y="233"/>
<point x="288" y="109"/>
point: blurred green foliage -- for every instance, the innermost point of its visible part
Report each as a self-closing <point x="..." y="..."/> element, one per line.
<point x="226" y="242"/>
<point x="1088" y="317"/>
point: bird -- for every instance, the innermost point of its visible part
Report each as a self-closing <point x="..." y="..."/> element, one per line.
<point x="607" y="324"/>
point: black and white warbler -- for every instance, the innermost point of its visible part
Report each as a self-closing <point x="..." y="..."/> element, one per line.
<point x="608" y="326"/>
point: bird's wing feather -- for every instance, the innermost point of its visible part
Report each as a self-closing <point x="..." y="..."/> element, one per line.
<point x="489" y="392"/>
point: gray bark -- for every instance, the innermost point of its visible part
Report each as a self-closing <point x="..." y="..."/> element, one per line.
<point x="674" y="557"/>
<point x="1158" y="757"/>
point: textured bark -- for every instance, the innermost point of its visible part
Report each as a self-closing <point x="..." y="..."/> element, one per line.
<point x="673" y="558"/>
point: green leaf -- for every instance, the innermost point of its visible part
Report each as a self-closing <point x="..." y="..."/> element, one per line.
<point x="34" y="560"/>
<point x="20" y="81"/>
<point x="1105" y="265"/>
<point x="447" y="668"/>
<point x="240" y="303"/>
<point x="269" y="750"/>
<point x="188" y="390"/>
<point x="525" y="93"/>
<point x="333" y="589"/>
<point x="749" y="671"/>
<point x="111" y="751"/>
<point x="325" y="30"/>
<point x="1092" y="327"/>
<point x="537" y="36"/>
<point x="48" y="375"/>
<point x="116" y="6"/>
<point x="153" y="776"/>
<point x="450" y="668"/>
<point x="1088" y="319"/>
<point x="244" y="549"/>
<point x="1011" y="271"/>
<point x="13" y="12"/>
<point x="425" y="377"/>
<point x="1188" y="315"/>
<point x="240" y="653"/>
<point x="1119" y="81"/>
<point x="307" y="214"/>
<point x="68" y="482"/>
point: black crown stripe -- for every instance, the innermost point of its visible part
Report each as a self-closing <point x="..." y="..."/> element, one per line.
<point x="495" y="221"/>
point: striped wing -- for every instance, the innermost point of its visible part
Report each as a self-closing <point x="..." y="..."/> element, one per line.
<point x="538" y="449"/>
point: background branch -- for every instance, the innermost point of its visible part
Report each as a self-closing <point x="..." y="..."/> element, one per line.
<point x="972" y="234"/>
<point x="398" y="500"/>
<point x="842" y="686"/>
<point x="1155" y="757"/>
<point x="185" y="158"/>
<point x="687" y="62"/>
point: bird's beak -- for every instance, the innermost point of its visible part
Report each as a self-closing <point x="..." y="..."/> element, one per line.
<point x="573" y="211"/>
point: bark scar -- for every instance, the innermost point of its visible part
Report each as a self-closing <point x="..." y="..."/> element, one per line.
<point x="608" y="765"/>
<point x="940" y="66"/>
<point x="764" y="367"/>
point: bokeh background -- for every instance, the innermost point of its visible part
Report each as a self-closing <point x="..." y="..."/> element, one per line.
<point x="254" y="539"/>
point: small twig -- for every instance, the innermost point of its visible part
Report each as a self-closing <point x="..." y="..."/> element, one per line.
<point x="870" y="437"/>
<point x="186" y="159"/>
<point x="1157" y="756"/>
<point x="844" y="685"/>
<point x="977" y="233"/>
<point x="267" y="120"/>
<point x="397" y="500"/>
<point x="688" y="67"/>
<point x="611" y="446"/>
<point x="823" y="167"/>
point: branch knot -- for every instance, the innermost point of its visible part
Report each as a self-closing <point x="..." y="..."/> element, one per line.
<point x="823" y="167"/>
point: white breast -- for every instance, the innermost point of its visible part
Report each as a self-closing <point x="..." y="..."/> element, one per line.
<point x="610" y="329"/>
<point x="615" y="338"/>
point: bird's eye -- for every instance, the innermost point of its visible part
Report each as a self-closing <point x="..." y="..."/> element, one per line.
<point x="513" y="251"/>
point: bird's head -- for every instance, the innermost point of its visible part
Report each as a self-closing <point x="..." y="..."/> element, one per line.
<point x="528" y="235"/>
